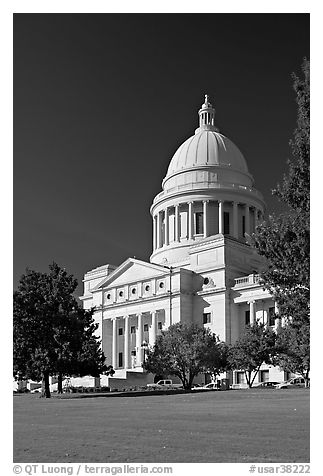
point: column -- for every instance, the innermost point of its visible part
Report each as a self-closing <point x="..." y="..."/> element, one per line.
<point x="159" y="230"/>
<point x="278" y="321"/>
<point x="190" y="220"/>
<point x="114" y="342"/>
<point x="177" y="223"/>
<point x="235" y="219"/>
<point x="139" y="341"/>
<point x="154" y="233"/>
<point x="153" y="327"/>
<point x="266" y="317"/>
<point x="256" y="218"/>
<point x="220" y="216"/>
<point x="166" y="227"/>
<point x="247" y="219"/>
<point x="205" y="218"/>
<point x="252" y="312"/>
<point x="126" y="342"/>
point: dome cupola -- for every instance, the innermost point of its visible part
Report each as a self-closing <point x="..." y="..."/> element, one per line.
<point x="207" y="117"/>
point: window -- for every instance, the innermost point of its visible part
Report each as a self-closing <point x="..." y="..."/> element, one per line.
<point x="120" y="293"/>
<point x="206" y="281"/>
<point x="264" y="376"/>
<point x="108" y="296"/>
<point x="146" y="327"/>
<point x="120" y="331"/>
<point x="198" y="223"/>
<point x="133" y="291"/>
<point x="247" y="318"/>
<point x="243" y="225"/>
<point x="161" y="285"/>
<point x="240" y="377"/>
<point x="120" y="360"/>
<point x="226" y="223"/>
<point x="147" y="288"/>
<point x="160" y="325"/>
<point x="132" y="329"/>
<point x="271" y="316"/>
<point x="206" y="317"/>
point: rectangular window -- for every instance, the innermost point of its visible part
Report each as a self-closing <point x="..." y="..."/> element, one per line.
<point x="198" y="223"/>
<point x="160" y="325"/>
<point x="206" y="317"/>
<point x="120" y="331"/>
<point x="120" y="360"/>
<point x="264" y="376"/>
<point x="132" y="329"/>
<point x="240" y="377"/>
<point x="146" y="328"/>
<point x="243" y="225"/>
<point x="247" y="317"/>
<point x="271" y="316"/>
<point x="226" y="223"/>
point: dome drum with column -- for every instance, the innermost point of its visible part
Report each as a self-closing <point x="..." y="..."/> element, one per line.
<point x="207" y="191"/>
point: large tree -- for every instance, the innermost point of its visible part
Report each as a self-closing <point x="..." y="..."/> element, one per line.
<point x="52" y="334"/>
<point x="185" y="350"/>
<point x="254" y="348"/>
<point x="284" y="240"/>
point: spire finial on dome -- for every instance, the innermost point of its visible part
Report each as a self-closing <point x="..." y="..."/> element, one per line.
<point x="206" y="101"/>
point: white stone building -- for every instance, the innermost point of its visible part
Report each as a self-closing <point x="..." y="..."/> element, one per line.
<point x="201" y="269"/>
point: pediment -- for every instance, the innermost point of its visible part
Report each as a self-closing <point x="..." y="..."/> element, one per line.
<point x="131" y="271"/>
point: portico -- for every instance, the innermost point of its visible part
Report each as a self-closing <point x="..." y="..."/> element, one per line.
<point x="129" y="332"/>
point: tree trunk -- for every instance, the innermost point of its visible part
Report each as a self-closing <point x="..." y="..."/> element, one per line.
<point x="307" y="380"/>
<point x="45" y="385"/>
<point x="248" y="378"/>
<point x="60" y="383"/>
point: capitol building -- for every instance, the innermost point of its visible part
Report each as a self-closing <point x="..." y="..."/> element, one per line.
<point x="201" y="269"/>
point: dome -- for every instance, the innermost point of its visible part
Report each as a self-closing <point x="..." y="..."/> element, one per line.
<point x="207" y="159"/>
<point x="207" y="148"/>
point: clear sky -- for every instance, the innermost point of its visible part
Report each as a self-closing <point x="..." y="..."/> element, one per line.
<point x="102" y="102"/>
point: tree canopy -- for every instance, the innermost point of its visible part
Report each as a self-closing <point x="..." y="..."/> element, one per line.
<point x="254" y="348"/>
<point x="184" y="350"/>
<point x="52" y="334"/>
<point x="284" y="240"/>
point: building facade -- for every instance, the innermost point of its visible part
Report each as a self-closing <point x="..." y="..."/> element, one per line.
<point x="201" y="269"/>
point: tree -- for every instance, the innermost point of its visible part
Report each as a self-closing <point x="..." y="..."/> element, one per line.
<point x="293" y="349"/>
<point x="52" y="334"/>
<point x="185" y="350"/>
<point x="284" y="240"/>
<point x="255" y="347"/>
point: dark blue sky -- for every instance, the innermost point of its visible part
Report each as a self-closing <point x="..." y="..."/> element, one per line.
<point x="102" y="102"/>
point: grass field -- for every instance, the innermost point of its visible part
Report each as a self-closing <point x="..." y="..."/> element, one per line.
<point x="214" y="427"/>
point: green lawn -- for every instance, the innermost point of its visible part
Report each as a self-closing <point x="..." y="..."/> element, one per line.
<point x="215" y="427"/>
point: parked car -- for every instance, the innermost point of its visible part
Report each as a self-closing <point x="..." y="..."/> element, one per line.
<point x="266" y="384"/>
<point x="209" y="386"/>
<point x="164" y="384"/>
<point x="295" y="382"/>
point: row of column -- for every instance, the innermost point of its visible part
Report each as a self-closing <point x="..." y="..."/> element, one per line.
<point x="252" y="308"/>
<point x="158" y="221"/>
<point x="139" y="339"/>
